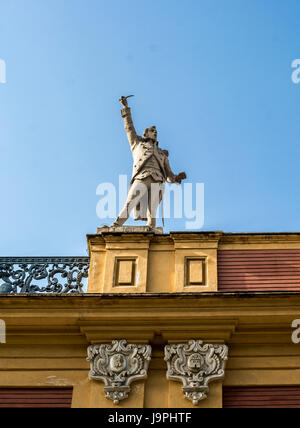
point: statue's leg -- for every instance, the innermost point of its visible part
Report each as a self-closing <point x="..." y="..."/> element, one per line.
<point x="136" y="193"/>
<point x="140" y="210"/>
<point x="155" y="191"/>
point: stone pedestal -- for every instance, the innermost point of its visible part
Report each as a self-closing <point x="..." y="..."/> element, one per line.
<point x="141" y="260"/>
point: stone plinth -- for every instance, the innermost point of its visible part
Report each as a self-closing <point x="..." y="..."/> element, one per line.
<point x="130" y="229"/>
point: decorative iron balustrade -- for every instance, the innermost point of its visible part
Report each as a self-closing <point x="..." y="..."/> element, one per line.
<point x="54" y="274"/>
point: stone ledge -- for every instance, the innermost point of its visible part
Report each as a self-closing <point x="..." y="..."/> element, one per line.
<point x="130" y="229"/>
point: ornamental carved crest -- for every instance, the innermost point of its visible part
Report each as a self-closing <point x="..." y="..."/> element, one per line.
<point x="196" y="365"/>
<point x="118" y="365"/>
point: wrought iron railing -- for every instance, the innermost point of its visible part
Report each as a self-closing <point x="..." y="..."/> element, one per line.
<point x="43" y="274"/>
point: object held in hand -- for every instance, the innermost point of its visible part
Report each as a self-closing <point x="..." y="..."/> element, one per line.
<point x="181" y="176"/>
<point x="123" y="100"/>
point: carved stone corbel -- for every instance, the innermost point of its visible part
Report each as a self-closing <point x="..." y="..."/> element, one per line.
<point x="196" y="365"/>
<point x="118" y="365"/>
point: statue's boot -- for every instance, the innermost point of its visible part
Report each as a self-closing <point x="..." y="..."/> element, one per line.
<point x="119" y="222"/>
<point x="151" y="223"/>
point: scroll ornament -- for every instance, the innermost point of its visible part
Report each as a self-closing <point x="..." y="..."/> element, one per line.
<point x="196" y="365"/>
<point x="118" y="365"/>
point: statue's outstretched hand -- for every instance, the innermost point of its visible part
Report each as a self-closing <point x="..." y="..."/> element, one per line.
<point x="124" y="102"/>
<point x="181" y="176"/>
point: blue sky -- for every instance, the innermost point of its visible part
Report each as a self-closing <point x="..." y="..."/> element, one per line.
<point x="213" y="75"/>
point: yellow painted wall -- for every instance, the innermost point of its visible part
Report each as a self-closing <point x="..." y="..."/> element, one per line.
<point x="47" y="341"/>
<point x="48" y="336"/>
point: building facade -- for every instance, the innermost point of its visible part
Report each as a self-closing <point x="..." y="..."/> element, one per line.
<point x="183" y="320"/>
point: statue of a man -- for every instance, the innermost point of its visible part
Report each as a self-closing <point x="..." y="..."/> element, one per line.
<point x="151" y="169"/>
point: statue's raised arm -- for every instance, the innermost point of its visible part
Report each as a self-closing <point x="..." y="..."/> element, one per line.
<point x="128" y="122"/>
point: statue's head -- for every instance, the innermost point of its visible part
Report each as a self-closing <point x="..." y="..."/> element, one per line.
<point x="151" y="133"/>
